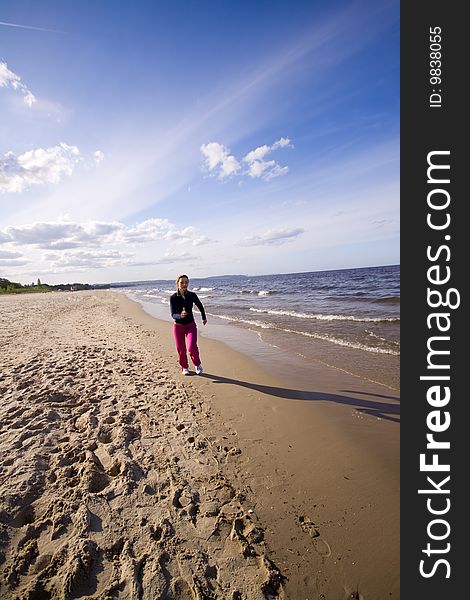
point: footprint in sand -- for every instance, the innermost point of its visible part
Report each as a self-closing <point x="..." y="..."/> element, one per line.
<point x="247" y="533"/>
<point x="308" y="526"/>
<point x="321" y="545"/>
<point x="105" y="437"/>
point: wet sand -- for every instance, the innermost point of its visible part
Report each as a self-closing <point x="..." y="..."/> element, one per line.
<point x="121" y="479"/>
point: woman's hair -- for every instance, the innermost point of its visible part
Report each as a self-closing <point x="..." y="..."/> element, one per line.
<point x="180" y="277"/>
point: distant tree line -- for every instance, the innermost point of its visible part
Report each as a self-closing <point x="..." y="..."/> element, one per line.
<point x="11" y="287"/>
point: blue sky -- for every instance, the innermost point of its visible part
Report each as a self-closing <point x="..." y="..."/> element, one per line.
<point x="140" y="140"/>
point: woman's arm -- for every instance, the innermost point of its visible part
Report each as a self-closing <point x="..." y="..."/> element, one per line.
<point x="173" y="310"/>
<point x="198" y="303"/>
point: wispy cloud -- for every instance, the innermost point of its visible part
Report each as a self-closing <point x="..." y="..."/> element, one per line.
<point x="40" y="166"/>
<point x="170" y="258"/>
<point x="32" y="27"/>
<point x="11" y="80"/>
<point x="272" y="237"/>
<point x="378" y="223"/>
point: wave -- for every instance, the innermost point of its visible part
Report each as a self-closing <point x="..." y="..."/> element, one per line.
<point x="257" y="292"/>
<point x="324" y="337"/>
<point x="346" y="343"/>
<point x="320" y="317"/>
<point x="382" y="339"/>
<point x="240" y="320"/>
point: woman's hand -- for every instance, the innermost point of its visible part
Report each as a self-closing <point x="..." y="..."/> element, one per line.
<point x="204" y="321"/>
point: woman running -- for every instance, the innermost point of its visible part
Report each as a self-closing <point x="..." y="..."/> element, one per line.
<point x="181" y="310"/>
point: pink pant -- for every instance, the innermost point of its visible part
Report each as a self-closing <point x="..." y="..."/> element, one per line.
<point x="181" y="332"/>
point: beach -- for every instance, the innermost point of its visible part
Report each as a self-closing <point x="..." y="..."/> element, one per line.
<point x="119" y="478"/>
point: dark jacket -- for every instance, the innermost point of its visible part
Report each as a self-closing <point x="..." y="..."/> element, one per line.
<point x="177" y="301"/>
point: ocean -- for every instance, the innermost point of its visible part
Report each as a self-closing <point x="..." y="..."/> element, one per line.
<point x="348" y="319"/>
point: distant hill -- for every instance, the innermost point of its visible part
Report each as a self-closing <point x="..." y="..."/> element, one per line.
<point x="117" y="284"/>
<point x="223" y="277"/>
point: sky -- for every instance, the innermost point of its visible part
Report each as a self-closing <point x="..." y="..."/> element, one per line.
<point x="140" y="140"/>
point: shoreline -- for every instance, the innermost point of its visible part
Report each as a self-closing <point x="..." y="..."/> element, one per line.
<point x="316" y="470"/>
<point x="264" y="347"/>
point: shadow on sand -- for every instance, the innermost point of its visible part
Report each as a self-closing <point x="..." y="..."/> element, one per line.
<point x="376" y="408"/>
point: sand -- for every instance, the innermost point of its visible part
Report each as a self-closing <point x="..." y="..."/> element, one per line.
<point x="119" y="478"/>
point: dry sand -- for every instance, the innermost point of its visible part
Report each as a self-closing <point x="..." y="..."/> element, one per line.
<point x="119" y="478"/>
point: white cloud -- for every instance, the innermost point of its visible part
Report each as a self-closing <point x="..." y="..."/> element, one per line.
<point x="59" y="234"/>
<point x="257" y="154"/>
<point x="149" y="230"/>
<point x="189" y="235"/>
<point x="79" y="247"/>
<point x="218" y="160"/>
<point x="260" y="168"/>
<point x="9" y="254"/>
<point x="40" y="166"/>
<point x="98" y="156"/>
<point x="218" y="157"/>
<point x="272" y="237"/>
<point x="12" y="262"/>
<point x="81" y="259"/>
<point x="289" y="203"/>
<point x="170" y="258"/>
<point x="275" y="171"/>
<point x="64" y="235"/>
<point x="9" y="258"/>
<point x="153" y="230"/>
<point x="282" y="143"/>
<point x="12" y="80"/>
<point x="37" y="167"/>
<point x="257" y="168"/>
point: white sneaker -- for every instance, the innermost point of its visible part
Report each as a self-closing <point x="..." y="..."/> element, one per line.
<point x="199" y="370"/>
<point x="185" y="371"/>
